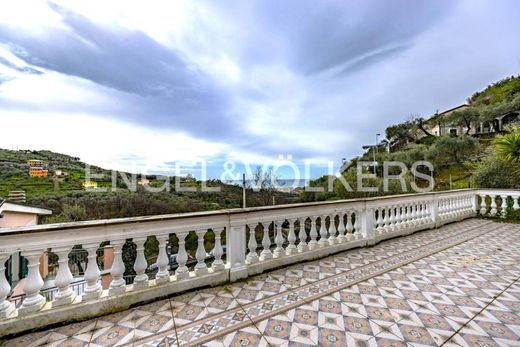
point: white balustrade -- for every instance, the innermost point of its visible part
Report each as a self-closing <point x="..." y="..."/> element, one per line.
<point x="201" y="268"/>
<point x="6" y="308"/>
<point x="64" y="277"/>
<point x="182" y="271"/>
<point x="266" y="244"/>
<point x="313" y="233"/>
<point x="351" y="223"/>
<point x="218" y="264"/>
<point x="33" y="283"/>
<point x="302" y="236"/>
<point x="349" y="228"/>
<point x="140" y="264"/>
<point x="323" y="232"/>
<point x="93" y="287"/>
<point x="332" y="229"/>
<point x="279" y="251"/>
<point x="252" y="256"/>
<point x="118" y="284"/>
<point x="291" y="248"/>
<point x="493" y="210"/>
<point x="341" y="229"/>
<point x="163" y="274"/>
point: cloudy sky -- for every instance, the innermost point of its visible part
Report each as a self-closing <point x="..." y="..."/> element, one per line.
<point x="144" y="84"/>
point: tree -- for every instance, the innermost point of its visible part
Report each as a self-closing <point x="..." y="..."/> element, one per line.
<point x="493" y="172"/>
<point x="263" y="183"/>
<point x="420" y="123"/>
<point x="449" y="150"/>
<point x="464" y="118"/>
<point x="399" y="135"/>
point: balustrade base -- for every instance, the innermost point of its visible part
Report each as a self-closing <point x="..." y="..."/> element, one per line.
<point x="35" y="307"/>
<point x="201" y="270"/>
<point x="116" y="290"/>
<point x="89" y="296"/>
<point x="7" y="310"/>
<point x="162" y="280"/>
<point x="64" y="301"/>
<point x="141" y="285"/>
<point x="218" y="267"/>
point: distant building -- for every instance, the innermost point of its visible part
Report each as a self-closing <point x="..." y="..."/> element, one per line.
<point x="60" y="172"/>
<point x="89" y="184"/>
<point x="143" y="181"/>
<point x="439" y="127"/>
<point x="35" y="163"/>
<point x="37" y="168"/>
<point x="16" y="215"/>
<point x="37" y="172"/>
<point x="16" y="196"/>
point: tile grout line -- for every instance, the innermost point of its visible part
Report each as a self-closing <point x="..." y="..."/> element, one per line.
<point x="92" y="333"/>
<point x="361" y="279"/>
<point x="479" y="312"/>
<point x="249" y="317"/>
<point x="455" y="235"/>
<point x="173" y="319"/>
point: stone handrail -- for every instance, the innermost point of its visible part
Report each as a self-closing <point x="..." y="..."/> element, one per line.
<point x="286" y="234"/>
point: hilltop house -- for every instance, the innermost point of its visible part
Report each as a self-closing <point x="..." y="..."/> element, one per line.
<point x="437" y="125"/>
<point x="37" y="168"/>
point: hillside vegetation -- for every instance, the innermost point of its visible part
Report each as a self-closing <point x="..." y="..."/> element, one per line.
<point x="487" y="160"/>
<point x="69" y="200"/>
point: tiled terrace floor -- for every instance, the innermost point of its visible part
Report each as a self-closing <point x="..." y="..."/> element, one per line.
<point x="454" y="286"/>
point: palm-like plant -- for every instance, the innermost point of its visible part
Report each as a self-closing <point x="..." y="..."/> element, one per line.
<point x="507" y="147"/>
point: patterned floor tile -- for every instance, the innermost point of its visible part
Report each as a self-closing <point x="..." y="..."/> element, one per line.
<point x="420" y="289"/>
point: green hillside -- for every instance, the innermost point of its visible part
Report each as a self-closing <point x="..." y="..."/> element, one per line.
<point x="69" y="200"/>
<point x="459" y="161"/>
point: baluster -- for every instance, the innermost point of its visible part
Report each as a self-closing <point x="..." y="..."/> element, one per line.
<point x="140" y="264"/>
<point x="33" y="283"/>
<point x="391" y="218"/>
<point x="163" y="275"/>
<point x="323" y="232"/>
<point x="201" y="268"/>
<point x="341" y="228"/>
<point x="182" y="271"/>
<point x="427" y="215"/>
<point x="279" y="251"/>
<point x="357" y="224"/>
<point x="93" y="288"/>
<point x="252" y="256"/>
<point x="291" y="249"/>
<point x="349" y="227"/>
<point x="414" y="215"/>
<point x="493" y="210"/>
<point x="302" y="236"/>
<point x="421" y="213"/>
<point x="502" y="208"/>
<point x="398" y="218"/>
<point x="313" y="244"/>
<point x="64" y="277"/>
<point x="386" y="220"/>
<point x="6" y="307"/>
<point x="218" y="264"/>
<point x="332" y="229"/>
<point x="380" y="221"/>
<point x="483" y="204"/>
<point x="117" y="285"/>
<point x="402" y="217"/>
<point x="516" y="206"/>
<point x="266" y="244"/>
